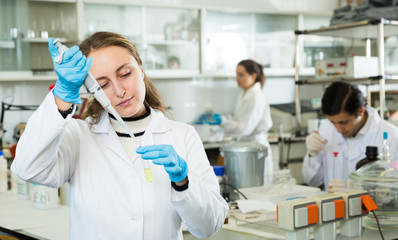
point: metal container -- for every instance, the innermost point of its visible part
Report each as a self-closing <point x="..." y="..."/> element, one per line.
<point x="244" y="163"/>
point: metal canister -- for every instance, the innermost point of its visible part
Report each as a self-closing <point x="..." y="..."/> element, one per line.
<point x="244" y="163"/>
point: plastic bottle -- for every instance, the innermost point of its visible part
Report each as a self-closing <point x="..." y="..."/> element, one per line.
<point x="3" y="174"/>
<point x="371" y="156"/>
<point x="22" y="189"/>
<point x="219" y="171"/>
<point x="385" y="151"/>
<point x="45" y="197"/>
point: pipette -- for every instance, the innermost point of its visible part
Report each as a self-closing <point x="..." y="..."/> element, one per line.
<point x="95" y="89"/>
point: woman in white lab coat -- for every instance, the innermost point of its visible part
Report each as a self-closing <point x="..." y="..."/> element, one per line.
<point x="252" y="117"/>
<point x="110" y="196"/>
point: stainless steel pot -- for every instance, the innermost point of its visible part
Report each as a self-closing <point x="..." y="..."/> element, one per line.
<point x="244" y="163"/>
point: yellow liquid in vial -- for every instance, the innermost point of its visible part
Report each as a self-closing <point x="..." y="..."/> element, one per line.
<point x="148" y="174"/>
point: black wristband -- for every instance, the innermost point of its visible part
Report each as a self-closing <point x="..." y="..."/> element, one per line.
<point x="65" y="113"/>
<point x="180" y="188"/>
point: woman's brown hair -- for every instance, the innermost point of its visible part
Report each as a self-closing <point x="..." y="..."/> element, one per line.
<point x="100" y="40"/>
<point x="253" y="67"/>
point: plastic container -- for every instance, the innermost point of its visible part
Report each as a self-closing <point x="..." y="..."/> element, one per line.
<point x="22" y="189"/>
<point x="380" y="179"/>
<point x="3" y="173"/>
<point x="45" y="197"/>
<point x="219" y="171"/>
<point x="279" y="192"/>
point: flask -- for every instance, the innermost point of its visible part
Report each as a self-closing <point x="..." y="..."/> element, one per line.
<point x="3" y="174"/>
<point x="371" y="156"/>
<point x="385" y="151"/>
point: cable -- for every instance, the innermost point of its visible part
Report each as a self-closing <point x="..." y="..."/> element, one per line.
<point x="378" y="225"/>
<point x="243" y="195"/>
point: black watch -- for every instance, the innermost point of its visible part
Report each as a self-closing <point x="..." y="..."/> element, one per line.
<point x="65" y="113"/>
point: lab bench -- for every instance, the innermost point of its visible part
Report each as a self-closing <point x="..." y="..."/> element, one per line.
<point x="20" y="216"/>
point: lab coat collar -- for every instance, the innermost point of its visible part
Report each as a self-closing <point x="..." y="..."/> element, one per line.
<point x="158" y="125"/>
<point x="366" y="127"/>
<point x="255" y="87"/>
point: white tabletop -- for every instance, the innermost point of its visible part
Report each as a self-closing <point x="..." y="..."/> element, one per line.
<point x="21" y="216"/>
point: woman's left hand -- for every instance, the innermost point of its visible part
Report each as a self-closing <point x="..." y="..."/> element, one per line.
<point x="165" y="155"/>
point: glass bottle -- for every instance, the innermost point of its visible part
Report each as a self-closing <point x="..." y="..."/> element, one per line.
<point x="371" y="156"/>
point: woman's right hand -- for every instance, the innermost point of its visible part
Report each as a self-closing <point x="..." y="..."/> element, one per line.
<point x="71" y="72"/>
<point x="216" y="119"/>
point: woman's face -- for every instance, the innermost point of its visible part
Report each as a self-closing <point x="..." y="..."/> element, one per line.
<point x="244" y="79"/>
<point x="121" y="78"/>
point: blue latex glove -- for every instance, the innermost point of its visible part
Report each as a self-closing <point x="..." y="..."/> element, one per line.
<point x="215" y="120"/>
<point x="165" y="155"/>
<point x="71" y="72"/>
<point x="201" y="120"/>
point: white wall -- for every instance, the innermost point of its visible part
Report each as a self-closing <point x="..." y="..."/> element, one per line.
<point x="187" y="98"/>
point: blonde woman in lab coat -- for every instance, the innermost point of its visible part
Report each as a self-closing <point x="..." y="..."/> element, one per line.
<point x="252" y="117"/>
<point x="110" y="197"/>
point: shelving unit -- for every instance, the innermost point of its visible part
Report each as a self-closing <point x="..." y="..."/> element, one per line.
<point x="363" y="30"/>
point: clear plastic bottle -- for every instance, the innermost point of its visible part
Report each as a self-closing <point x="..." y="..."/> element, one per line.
<point x="385" y="151"/>
<point x="3" y="174"/>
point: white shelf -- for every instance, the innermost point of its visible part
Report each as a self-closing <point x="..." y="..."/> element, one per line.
<point x="15" y="76"/>
<point x="7" y="44"/>
<point x="20" y="76"/>
<point x="357" y="30"/>
<point x="173" y="42"/>
<point x="42" y="40"/>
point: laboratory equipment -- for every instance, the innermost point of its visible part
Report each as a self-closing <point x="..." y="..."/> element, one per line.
<point x="336" y="184"/>
<point x="94" y="88"/>
<point x="379" y="179"/>
<point x="351" y="67"/>
<point x="351" y="225"/>
<point x="331" y="209"/>
<point x="371" y="156"/>
<point x="280" y="192"/>
<point x="296" y="216"/>
<point x="3" y="173"/>
<point x="244" y="162"/>
<point x="346" y="168"/>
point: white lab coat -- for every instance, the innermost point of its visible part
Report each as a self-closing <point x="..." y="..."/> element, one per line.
<point x="252" y="118"/>
<point x="109" y="195"/>
<point x="324" y="167"/>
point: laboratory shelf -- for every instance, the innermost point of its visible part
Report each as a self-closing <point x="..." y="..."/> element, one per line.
<point x="44" y="40"/>
<point x="173" y="42"/>
<point x="364" y="81"/>
<point x="358" y="30"/>
<point x="366" y="30"/>
<point x="7" y="44"/>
